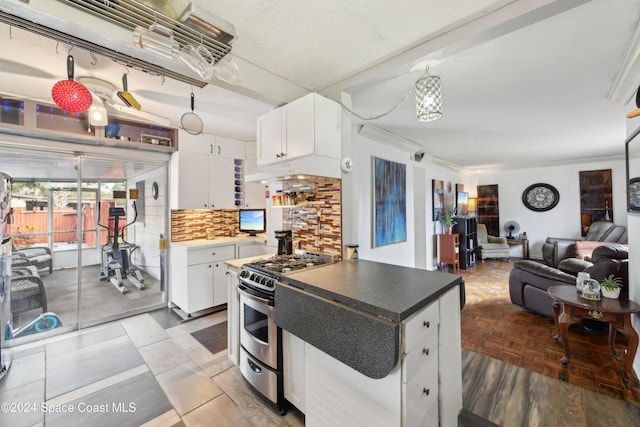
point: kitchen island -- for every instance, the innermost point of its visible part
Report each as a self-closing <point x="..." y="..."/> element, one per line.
<point x="368" y="343"/>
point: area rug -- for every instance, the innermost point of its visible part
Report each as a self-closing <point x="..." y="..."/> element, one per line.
<point x="493" y="326"/>
<point x="213" y="338"/>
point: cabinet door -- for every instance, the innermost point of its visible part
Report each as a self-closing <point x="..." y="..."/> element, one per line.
<point x="193" y="187"/>
<point x="270" y="137"/>
<point x="231" y="148"/>
<point x="219" y="283"/>
<point x="233" y="316"/>
<point x="293" y="369"/>
<point x="200" y="287"/>
<point x="202" y="143"/>
<point x="254" y="195"/>
<point x="299" y="128"/>
<point x="221" y="183"/>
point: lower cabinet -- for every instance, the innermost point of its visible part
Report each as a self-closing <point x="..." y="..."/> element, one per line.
<point x="424" y="389"/>
<point x="198" y="279"/>
<point x="233" y="315"/>
<point x="293" y="369"/>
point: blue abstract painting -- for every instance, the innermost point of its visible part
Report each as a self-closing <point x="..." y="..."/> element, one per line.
<point x="390" y="202"/>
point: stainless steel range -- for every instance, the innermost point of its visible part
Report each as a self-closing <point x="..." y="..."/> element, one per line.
<point x="260" y="338"/>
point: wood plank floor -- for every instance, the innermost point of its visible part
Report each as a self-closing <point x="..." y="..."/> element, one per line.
<point x="493" y="326"/>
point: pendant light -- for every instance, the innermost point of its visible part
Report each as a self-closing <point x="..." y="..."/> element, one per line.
<point x="428" y="98"/>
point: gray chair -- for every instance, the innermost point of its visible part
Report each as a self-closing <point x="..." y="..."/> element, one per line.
<point x="491" y="246"/>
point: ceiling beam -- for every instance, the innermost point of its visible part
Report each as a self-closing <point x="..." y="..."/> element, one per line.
<point x="475" y="31"/>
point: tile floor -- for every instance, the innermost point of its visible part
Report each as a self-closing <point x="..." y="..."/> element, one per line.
<point x="145" y="370"/>
<point x="149" y="370"/>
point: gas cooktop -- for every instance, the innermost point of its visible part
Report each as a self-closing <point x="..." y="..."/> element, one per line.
<point x="281" y="264"/>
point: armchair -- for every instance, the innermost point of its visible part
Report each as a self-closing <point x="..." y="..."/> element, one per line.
<point x="39" y="256"/>
<point x="555" y="249"/>
<point x="491" y="246"/>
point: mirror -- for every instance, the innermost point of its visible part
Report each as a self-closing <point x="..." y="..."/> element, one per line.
<point x="632" y="156"/>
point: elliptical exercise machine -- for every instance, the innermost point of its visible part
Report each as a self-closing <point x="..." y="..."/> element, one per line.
<point x="116" y="256"/>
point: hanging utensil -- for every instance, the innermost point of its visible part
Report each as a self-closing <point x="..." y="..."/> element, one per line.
<point x="69" y="94"/>
<point x="126" y="96"/>
<point x="191" y="122"/>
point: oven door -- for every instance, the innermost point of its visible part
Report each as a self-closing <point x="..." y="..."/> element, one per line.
<point x="258" y="331"/>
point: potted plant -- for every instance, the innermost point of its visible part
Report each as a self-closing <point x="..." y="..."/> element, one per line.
<point x="611" y="286"/>
<point x="447" y="222"/>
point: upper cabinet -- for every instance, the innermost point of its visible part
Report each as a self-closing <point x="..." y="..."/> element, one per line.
<point x="306" y="126"/>
<point x="204" y="172"/>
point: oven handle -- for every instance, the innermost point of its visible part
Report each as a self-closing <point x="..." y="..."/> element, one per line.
<point x="242" y="291"/>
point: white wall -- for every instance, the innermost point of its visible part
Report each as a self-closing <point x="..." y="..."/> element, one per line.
<point x="147" y="234"/>
<point x="361" y="204"/>
<point x="564" y="219"/>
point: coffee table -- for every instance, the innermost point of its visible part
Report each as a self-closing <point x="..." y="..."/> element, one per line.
<point x="569" y="308"/>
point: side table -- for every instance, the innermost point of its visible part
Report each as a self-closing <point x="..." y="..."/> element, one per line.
<point x="569" y="308"/>
<point x="523" y="243"/>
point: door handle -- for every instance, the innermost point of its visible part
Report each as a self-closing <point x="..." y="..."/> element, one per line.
<point x="255" y="368"/>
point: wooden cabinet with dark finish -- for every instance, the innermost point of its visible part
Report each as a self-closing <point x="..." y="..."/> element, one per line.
<point x="488" y="208"/>
<point x="467" y="229"/>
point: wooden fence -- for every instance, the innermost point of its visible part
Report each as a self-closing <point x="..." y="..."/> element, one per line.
<point x="29" y="227"/>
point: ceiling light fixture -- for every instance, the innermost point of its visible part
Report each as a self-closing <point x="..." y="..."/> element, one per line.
<point x="428" y="98"/>
<point x="98" y="113"/>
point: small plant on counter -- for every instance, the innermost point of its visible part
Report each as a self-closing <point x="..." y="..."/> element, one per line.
<point x="611" y="286"/>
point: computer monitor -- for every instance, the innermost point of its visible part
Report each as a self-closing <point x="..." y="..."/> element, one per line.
<point x="252" y="221"/>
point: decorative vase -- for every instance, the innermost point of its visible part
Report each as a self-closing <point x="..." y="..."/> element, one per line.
<point x="613" y="294"/>
<point x="448" y="230"/>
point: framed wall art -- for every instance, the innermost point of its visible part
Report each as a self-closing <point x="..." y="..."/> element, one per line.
<point x="437" y="194"/>
<point x="632" y="159"/>
<point x="390" y="202"/>
<point x="596" y="199"/>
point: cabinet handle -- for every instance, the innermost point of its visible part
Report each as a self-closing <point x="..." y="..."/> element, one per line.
<point x="426" y="324"/>
<point x="425" y="391"/>
<point x="425" y="351"/>
<point x="210" y="148"/>
<point x="213" y="253"/>
<point x="283" y="154"/>
<point x="219" y="150"/>
<point x="209" y="265"/>
<point x="277" y="156"/>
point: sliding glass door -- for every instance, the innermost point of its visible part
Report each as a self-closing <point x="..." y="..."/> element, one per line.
<point x="85" y="231"/>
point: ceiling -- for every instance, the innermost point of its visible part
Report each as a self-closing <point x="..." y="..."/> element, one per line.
<point x="524" y="82"/>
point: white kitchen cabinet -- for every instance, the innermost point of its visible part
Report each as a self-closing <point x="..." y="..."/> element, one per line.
<point x="203" y="172"/>
<point x="293" y="369"/>
<point x="198" y="279"/>
<point x="233" y="315"/>
<point x="306" y="126"/>
<point x="424" y="389"/>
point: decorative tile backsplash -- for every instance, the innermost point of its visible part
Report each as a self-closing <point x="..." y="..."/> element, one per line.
<point x="318" y="228"/>
<point x="193" y="224"/>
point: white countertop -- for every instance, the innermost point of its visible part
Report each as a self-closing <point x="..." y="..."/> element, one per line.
<point x="219" y="241"/>
<point x="238" y="263"/>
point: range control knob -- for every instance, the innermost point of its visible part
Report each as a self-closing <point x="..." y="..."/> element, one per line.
<point x="244" y="274"/>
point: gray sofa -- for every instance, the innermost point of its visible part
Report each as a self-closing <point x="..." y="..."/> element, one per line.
<point x="529" y="280"/>
<point x="555" y="249"/>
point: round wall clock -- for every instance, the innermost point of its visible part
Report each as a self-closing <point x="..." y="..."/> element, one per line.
<point x="634" y="194"/>
<point x="540" y="197"/>
<point x="154" y="191"/>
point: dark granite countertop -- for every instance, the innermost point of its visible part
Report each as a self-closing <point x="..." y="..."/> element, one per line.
<point x="352" y="310"/>
<point x="390" y="291"/>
